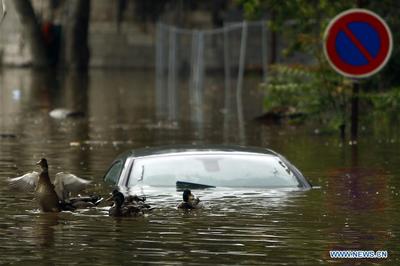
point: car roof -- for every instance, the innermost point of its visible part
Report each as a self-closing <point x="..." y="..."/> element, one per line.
<point x="212" y="148"/>
<point x="160" y="150"/>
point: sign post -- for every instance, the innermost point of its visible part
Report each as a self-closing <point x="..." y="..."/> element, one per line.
<point x="357" y="44"/>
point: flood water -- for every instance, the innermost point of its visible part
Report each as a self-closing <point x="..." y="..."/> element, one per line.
<point x="355" y="205"/>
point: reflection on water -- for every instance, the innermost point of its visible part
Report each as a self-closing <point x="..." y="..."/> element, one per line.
<point x="356" y="206"/>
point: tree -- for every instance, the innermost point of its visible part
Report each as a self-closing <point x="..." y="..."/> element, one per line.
<point x="76" y="44"/>
<point x="75" y="50"/>
<point x="32" y="31"/>
<point x="308" y="20"/>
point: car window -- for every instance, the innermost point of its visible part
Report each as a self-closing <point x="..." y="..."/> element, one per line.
<point x="225" y="170"/>
<point x="113" y="173"/>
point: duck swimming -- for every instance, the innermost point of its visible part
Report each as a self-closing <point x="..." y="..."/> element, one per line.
<point x="80" y="202"/>
<point x="189" y="202"/>
<point x="131" y="206"/>
<point x="52" y="197"/>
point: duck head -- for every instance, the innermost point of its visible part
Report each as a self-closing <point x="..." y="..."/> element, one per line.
<point x="43" y="164"/>
<point x="118" y="198"/>
<point x="187" y="195"/>
<point x="113" y="193"/>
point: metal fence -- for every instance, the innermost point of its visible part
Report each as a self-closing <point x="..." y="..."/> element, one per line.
<point x="194" y="61"/>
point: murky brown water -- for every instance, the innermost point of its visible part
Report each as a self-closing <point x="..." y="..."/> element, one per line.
<point x="356" y="206"/>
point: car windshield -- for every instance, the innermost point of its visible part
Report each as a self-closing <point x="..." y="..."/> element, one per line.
<point x="219" y="170"/>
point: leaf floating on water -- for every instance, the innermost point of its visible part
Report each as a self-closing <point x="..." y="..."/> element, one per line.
<point x="7" y="136"/>
<point x="96" y="142"/>
<point x="74" y="144"/>
<point x="117" y="142"/>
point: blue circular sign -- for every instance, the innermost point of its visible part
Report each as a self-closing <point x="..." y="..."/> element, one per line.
<point x="358" y="43"/>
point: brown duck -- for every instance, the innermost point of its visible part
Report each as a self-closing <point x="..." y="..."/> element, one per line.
<point x="53" y="197"/>
<point x="45" y="194"/>
<point x="131" y="206"/>
<point x="189" y="202"/>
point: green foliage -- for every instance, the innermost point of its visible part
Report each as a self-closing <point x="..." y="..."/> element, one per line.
<point x="318" y="92"/>
<point x="388" y="101"/>
<point x="251" y="8"/>
<point x="297" y="20"/>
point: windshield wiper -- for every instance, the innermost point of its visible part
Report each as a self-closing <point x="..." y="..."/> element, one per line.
<point x="285" y="167"/>
<point x="183" y="185"/>
<point x="141" y="175"/>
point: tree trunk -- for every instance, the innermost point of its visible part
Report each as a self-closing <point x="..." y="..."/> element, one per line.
<point x="32" y="31"/>
<point x="76" y="35"/>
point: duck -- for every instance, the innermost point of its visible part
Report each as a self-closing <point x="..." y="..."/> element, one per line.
<point x="53" y="197"/>
<point x="80" y="202"/>
<point x="189" y="202"/>
<point x="131" y="206"/>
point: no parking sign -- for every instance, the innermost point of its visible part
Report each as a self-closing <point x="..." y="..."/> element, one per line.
<point x="357" y="43"/>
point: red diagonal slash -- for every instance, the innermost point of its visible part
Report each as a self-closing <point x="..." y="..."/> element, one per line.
<point x="357" y="43"/>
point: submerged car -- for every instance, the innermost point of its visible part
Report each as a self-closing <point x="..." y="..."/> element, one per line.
<point x="204" y="167"/>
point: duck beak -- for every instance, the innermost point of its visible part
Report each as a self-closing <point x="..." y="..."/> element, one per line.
<point x="191" y="196"/>
<point x="111" y="198"/>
